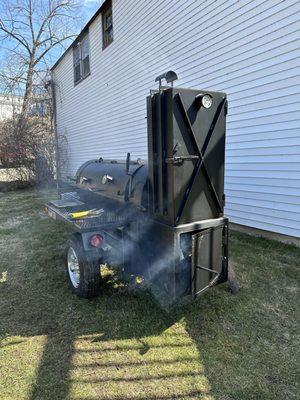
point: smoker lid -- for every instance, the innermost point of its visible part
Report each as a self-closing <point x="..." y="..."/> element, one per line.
<point x="133" y="167"/>
<point x="112" y="179"/>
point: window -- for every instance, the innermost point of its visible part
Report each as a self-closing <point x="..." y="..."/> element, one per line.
<point x="81" y="58"/>
<point x="37" y="109"/>
<point x="107" y="25"/>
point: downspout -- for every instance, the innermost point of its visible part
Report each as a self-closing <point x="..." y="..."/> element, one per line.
<point x="54" y="123"/>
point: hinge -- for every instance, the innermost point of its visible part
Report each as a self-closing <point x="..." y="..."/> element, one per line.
<point x="224" y="199"/>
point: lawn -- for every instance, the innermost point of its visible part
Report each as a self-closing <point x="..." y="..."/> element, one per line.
<point x="54" y="346"/>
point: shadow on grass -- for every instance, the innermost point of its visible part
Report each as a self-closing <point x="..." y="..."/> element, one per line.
<point x="118" y="322"/>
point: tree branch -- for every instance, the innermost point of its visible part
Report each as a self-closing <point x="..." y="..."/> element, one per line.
<point x="31" y="22"/>
<point x="49" y="17"/>
<point x="60" y="41"/>
<point x="15" y="36"/>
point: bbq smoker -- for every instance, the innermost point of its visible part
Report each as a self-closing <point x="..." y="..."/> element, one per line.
<point x="161" y="220"/>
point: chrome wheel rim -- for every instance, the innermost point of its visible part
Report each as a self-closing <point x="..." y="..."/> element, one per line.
<point x="73" y="267"/>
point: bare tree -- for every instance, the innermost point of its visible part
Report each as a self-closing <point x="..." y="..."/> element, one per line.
<point x="32" y="33"/>
<point x="32" y="30"/>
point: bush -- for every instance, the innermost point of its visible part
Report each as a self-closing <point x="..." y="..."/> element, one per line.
<point x="29" y="146"/>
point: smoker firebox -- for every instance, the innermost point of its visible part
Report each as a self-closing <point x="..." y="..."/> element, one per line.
<point x="162" y="220"/>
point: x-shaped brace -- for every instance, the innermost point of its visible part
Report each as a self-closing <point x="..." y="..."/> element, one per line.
<point x="199" y="157"/>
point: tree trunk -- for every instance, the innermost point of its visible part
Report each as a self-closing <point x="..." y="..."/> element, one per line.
<point x="28" y="90"/>
<point x="22" y="120"/>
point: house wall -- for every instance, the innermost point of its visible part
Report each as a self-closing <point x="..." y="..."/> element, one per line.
<point x="248" y="49"/>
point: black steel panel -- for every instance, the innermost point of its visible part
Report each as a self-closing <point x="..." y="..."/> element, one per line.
<point x="186" y="155"/>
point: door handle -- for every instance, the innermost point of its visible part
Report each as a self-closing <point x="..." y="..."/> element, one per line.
<point x="180" y="159"/>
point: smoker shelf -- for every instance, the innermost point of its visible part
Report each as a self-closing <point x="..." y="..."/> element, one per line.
<point x="108" y="218"/>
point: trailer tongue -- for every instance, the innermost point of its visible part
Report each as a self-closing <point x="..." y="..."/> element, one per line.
<point x="162" y="220"/>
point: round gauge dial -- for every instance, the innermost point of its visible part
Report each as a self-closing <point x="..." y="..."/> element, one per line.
<point x="207" y="101"/>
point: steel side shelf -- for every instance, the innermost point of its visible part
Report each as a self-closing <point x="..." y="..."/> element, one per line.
<point x="108" y="218"/>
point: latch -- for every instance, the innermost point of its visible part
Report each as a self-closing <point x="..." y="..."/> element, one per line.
<point x="175" y="160"/>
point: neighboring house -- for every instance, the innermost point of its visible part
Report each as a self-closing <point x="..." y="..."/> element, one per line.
<point x="10" y="105"/>
<point x="248" y="49"/>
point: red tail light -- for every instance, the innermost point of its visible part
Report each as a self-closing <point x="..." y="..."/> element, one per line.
<point x="96" y="240"/>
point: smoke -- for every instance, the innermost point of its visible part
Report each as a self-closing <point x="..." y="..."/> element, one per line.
<point x="158" y="254"/>
<point x="148" y="249"/>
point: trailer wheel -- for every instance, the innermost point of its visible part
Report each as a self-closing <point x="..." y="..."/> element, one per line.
<point x="83" y="269"/>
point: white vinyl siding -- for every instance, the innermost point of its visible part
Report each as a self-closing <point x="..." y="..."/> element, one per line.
<point x="248" y="49"/>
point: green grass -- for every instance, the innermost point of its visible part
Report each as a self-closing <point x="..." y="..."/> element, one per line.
<point x="122" y="345"/>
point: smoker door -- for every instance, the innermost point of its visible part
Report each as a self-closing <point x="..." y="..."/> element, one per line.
<point x="186" y="155"/>
<point x="207" y="258"/>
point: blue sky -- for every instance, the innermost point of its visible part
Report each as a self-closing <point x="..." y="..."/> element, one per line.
<point x="90" y="7"/>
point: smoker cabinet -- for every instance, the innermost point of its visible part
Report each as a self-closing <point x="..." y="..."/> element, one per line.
<point x="186" y="149"/>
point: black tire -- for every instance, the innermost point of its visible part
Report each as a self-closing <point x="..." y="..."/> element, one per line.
<point x="89" y="280"/>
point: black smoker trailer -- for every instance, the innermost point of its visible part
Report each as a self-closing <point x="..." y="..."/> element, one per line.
<point x="162" y="220"/>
